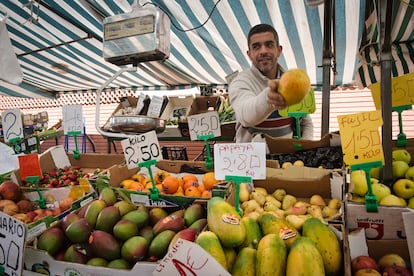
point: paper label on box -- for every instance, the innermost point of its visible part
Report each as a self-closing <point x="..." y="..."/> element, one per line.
<point x="12" y="244"/>
<point x="188" y="258"/>
<point x="408" y="219"/>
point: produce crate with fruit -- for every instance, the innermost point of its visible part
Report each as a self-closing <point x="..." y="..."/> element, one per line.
<point x="392" y="200"/>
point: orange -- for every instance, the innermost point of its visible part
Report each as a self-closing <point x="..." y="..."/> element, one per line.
<point x="190" y="183"/>
<point x="189" y="176"/>
<point x="209" y="180"/>
<point x="160" y="175"/>
<point x="206" y="194"/>
<point x="126" y="183"/>
<point x="170" y="184"/>
<point x="138" y="177"/>
<point x="192" y="191"/>
<point x="294" y="85"/>
<point x="136" y="186"/>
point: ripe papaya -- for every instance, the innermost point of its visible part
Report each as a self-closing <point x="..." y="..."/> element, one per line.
<point x="245" y="263"/>
<point x="253" y="232"/>
<point x="210" y="242"/>
<point x="327" y="244"/>
<point x="225" y="222"/>
<point x="304" y="259"/>
<point x="271" y="256"/>
<point x="269" y="223"/>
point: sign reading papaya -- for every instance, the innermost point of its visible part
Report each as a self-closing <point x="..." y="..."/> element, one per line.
<point x="204" y="124"/>
<point x="360" y="137"/>
<point x="307" y="105"/>
<point x="241" y="159"/>
<point x="402" y="91"/>
<point x="140" y="148"/>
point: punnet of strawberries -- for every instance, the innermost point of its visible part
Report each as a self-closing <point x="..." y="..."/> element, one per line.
<point x="59" y="177"/>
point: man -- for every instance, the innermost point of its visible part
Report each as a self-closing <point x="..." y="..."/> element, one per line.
<point x="254" y="96"/>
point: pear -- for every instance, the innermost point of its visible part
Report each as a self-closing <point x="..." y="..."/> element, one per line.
<point x="244" y="193"/>
<point x="250" y="206"/>
<point x="270" y="206"/>
<point x="279" y="194"/>
<point x="328" y="212"/>
<point x="317" y="200"/>
<point x="261" y="190"/>
<point x="297" y="221"/>
<point x="300" y="203"/>
<point x="260" y="198"/>
<point x="288" y="201"/>
<point x="315" y="211"/>
<point x="255" y="215"/>
<point x="335" y="203"/>
<point x="292" y="210"/>
<point x="273" y="200"/>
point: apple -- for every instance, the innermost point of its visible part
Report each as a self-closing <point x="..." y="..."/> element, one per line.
<point x="403" y="188"/>
<point x="363" y="261"/>
<point x="401" y="155"/>
<point x="399" y="168"/>
<point x="10" y="190"/>
<point x="395" y="270"/>
<point x="380" y="190"/>
<point x="409" y="174"/>
<point x="411" y="203"/>
<point x="391" y="259"/>
<point x="392" y="200"/>
<point x="376" y="173"/>
<point x="359" y="182"/>
<point x="367" y="272"/>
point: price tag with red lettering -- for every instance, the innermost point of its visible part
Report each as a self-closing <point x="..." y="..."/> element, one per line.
<point x="307" y="105"/>
<point x="12" y="124"/>
<point x="72" y="117"/>
<point x="140" y="148"/>
<point x="402" y="91"/>
<point x="360" y="137"/>
<point x="241" y="159"/>
<point x="204" y="124"/>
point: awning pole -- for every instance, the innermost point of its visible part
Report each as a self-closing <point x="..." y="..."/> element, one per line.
<point x="326" y="64"/>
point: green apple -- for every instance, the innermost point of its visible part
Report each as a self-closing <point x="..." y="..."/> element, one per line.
<point x="409" y="174"/>
<point x="411" y="203"/>
<point x="401" y="155"/>
<point x="392" y="200"/>
<point x="359" y="181"/>
<point x="403" y="188"/>
<point x="376" y="173"/>
<point x="399" y="168"/>
<point x="380" y="190"/>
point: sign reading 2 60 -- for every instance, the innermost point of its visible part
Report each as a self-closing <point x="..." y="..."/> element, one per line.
<point x="140" y="148"/>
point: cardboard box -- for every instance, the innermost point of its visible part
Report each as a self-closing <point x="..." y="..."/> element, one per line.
<point x="290" y="145"/>
<point x="203" y="104"/>
<point x="177" y="108"/>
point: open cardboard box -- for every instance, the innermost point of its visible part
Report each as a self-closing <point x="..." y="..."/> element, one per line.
<point x="290" y="145"/>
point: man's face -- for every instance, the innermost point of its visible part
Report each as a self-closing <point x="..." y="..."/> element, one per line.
<point x="264" y="52"/>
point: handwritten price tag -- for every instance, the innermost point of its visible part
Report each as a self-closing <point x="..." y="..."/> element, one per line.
<point x="241" y="159"/>
<point x="12" y="124"/>
<point x="307" y="105"/>
<point x="140" y="148"/>
<point x="154" y="109"/>
<point x="360" y="137"/>
<point x="204" y="124"/>
<point x="402" y="91"/>
<point x="72" y="117"/>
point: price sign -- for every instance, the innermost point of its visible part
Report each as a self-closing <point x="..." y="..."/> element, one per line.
<point x="204" y="124"/>
<point x="360" y="137"/>
<point x="30" y="166"/>
<point x="402" y="91"/>
<point x="72" y="118"/>
<point x="140" y="103"/>
<point x="12" y="244"/>
<point x="140" y="148"/>
<point x="241" y="159"/>
<point x="307" y="105"/>
<point x="155" y="106"/>
<point x="12" y="124"/>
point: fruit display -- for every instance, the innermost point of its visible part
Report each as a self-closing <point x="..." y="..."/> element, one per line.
<point x="111" y="232"/>
<point x="400" y="193"/>
<point x="388" y="264"/>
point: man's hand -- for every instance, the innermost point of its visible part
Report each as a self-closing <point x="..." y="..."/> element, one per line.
<point x="273" y="97"/>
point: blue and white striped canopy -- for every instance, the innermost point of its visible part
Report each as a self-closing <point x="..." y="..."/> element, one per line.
<point x="59" y="43"/>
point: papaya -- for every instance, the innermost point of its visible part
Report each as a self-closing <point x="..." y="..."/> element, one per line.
<point x="225" y="222"/>
<point x="269" y="223"/>
<point x="230" y="254"/>
<point x="304" y="259"/>
<point x="253" y="232"/>
<point x="327" y="244"/>
<point x="271" y="256"/>
<point x="209" y="241"/>
<point x="245" y="263"/>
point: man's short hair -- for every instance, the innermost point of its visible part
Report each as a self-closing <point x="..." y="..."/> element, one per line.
<point x="262" y="28"/>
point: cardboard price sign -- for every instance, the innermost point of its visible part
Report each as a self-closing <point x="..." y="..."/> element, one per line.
<point x="307" y="105"/>
<point x="29" y="166"/>
<point x="72" y="118"/>
<point x="12" y="124"/>
<point x="204" y="124"/>
<point x="12" y="244"/>
<point x="402" y="91"/>
<point x="240" y="159"/>
<point x="360" y="137"/>
<point x="140" y="148"/>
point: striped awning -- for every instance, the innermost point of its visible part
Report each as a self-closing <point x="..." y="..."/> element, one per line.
<point x="402" y="43"/>
<point x="59" y="43"/>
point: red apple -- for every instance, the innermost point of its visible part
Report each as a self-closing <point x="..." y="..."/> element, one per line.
<point x="395" y="270"/>
<point x="25" y="205"/>
<point x="10" y="190"/>
<point x="362" y="261"/>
